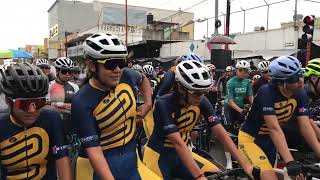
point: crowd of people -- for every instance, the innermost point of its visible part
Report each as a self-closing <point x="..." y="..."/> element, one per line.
<point x="273" y="109"/>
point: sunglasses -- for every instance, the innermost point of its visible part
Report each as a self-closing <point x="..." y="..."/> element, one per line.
<point x="65" y="71"/>
<point x="44" y="67"/>
<point x="25" y="104"/>
<point x="76" y="72"/>
<point x="243" y="69"/>
<point x="198" y="93"/>
<point x="264" y="72"/>
<point x="113" y="63"/>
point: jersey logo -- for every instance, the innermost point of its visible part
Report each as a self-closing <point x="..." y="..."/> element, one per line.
<point x="115" y="116"/>
<point x="284" y="111"/>
<point x="185" y="122"/>
<point x="24" y="154"/>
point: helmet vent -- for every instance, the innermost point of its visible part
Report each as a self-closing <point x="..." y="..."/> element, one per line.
<point x="205" y="76"/>
<point x="93" y="45"/>
<point x="292" y="68"/>
<point x="108" y="34"/>
<point x="19" y="72"/>
<point x="115" y="42"/>
<point x="185" y="77"/>
<point x="197" y="64"/>
<point x="104" y="42"/>
<point x="113" y="52"/>
<point x="317" y="69"/>
<point x="30" y="72"/>
<point x="195" y="75"/>
<point x="96" y="35"/>
<point x="187" y="66"/>
<point x="282" y="64"/>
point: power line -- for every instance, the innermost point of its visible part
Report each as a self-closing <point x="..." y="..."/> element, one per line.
<point x="183" y="11"/>
<point x="178" y="13"/>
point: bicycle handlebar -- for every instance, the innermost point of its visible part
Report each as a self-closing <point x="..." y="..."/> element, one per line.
<point x="312" y="170"/>
<point x="232" y="172"/>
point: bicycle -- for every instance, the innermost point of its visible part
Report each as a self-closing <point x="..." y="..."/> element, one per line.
<point x="310" y="172"/>
<point x="232" y="174"/>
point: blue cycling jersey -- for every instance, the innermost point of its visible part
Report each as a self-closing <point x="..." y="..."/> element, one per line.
<point x="106" y="119"/>
<point x="30" y="152"/>
<point x="170" y="117"/>
<point x="270" y="101"/>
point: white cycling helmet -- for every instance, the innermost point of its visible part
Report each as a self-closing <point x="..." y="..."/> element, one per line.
<point x="284" y="67"/>
<point x="63" y="63"/>
<point x="191" y="56"/>
<point x="40" y="62"/>
<point x="255" y="77"/>
<point x="229" y="68"/>
<point x="137" y="67"/>
<point x="211" y="67"/>
<point x="102" y="45"/>
<point x="193" y="75"/>
<point x="243" y="64"/>
<point x="263" y="66"/>
<point x="148" y="69"/>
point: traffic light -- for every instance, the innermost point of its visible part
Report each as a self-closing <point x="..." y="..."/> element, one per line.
<point x="308" y="28"/>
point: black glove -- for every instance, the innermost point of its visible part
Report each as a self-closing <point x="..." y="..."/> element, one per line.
<point x="244" y="111"/>
<point x="294" y="168"/>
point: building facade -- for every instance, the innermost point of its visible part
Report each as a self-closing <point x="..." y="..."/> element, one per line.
<point x="275" y="42"/>
<point x="71" y="21"/>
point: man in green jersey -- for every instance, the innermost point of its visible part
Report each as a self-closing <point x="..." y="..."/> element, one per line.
<point x="238" y="89"/>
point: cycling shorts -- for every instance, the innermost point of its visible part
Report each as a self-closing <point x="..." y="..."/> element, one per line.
<point x="169" y="164"/>
<point x="254" y="153"/>
<point x="123" y="167"/>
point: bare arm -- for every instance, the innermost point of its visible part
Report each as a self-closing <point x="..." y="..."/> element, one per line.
<point x="99" y="163"/>
<point x="184" y="154"/>
<point x="315" y="128"/>
<point x="234" y="105"/>
<point x="64" y="168"/>
<point x="308" y="133"/>
<point x="223" y="137"/>
<point x="278" y="137"/>
<point x="147" y="95"/>
<point x="146" y="91"/>
<point x="250" y="99"/>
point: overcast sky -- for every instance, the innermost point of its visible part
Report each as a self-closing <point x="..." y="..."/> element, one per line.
<point x="26" y="21"/>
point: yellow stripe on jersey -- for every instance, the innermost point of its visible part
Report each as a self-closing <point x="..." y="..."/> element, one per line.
<point x="34" y="143"/>
<point x="185" y="123"/>
<point x="284" y="111"/>
<point x="115" y="116"/>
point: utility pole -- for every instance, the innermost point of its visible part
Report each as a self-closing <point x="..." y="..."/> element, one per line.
<point x="216" y="16"/>
<point x="126" y="23"/>
<point x="296" y="28"/>
<point x="227" y="22"/>
<point x="244" y="20"/>
<point x="65" y="44"/>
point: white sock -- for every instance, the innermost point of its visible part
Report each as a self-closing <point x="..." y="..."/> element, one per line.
<point x="229" y="160"/>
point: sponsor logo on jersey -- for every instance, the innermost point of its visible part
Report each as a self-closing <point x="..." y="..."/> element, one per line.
<point x="267" y="109"/>
<point x="302" y="110"/>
